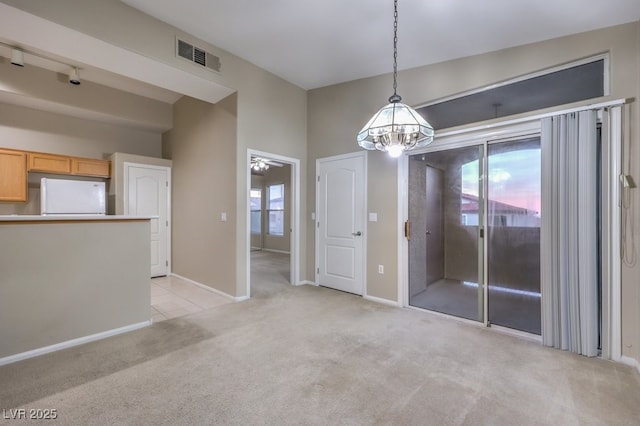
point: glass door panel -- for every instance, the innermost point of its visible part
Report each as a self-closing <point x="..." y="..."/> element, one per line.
<point x="445" y="253"/>
<point x="513" y="234"/>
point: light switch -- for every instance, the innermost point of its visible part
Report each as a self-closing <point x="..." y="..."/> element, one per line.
<point x="373" y="217"/>
<point x="313" y="215"/>
<point x="223" y="217"/>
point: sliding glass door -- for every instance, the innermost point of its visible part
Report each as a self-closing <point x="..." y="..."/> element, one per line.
<point x="445" y="250"/>
<point x="513" y="234"/>
<point x="474" y="216"/>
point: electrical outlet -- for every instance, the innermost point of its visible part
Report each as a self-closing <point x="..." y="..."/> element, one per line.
<point x="381" y="269"/>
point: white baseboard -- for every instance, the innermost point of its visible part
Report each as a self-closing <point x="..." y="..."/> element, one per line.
<point x="631" y="362"/>
<point x="73" y="342"/>
<point x="381" y="300"/>
<point x="211" y="289"/>
<point x="307" y="282"/>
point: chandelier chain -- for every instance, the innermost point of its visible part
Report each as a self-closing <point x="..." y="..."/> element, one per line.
<point x="395" y="47"/>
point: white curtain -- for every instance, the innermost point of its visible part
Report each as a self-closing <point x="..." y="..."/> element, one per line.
<point x="569" y="235"/>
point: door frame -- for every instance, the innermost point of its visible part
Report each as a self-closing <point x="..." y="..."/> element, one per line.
<point x="294" y="251"/>
<point x="441" y="143"/>
<point x="358" y="154"/>
<point x="611" y="232"/>
<point x="125" y="167"/>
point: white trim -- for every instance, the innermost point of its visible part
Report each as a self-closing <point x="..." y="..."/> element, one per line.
<point x="382" y="301"/>
<point x="615" y="277"/>
<point x="632" y="362"/>
<point x="480" y="135"/>
<point x="73" y="342"/>
<point x="530" y="118"/>
<point x="307" y="282"/>
<point x="125" y="183"/>
<point x="211" y="289"/>
<point x="365" y="222"/>
<point x="294" y="275"/>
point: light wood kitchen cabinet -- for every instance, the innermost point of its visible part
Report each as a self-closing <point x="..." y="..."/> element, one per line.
<point x="13" y="176"/>
<point x="65" y="165"/>
<point x="90" y="167"/>
<point x="49" y="163"/>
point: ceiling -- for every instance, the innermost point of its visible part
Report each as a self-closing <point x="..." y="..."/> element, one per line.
<point x="323" y="42"/>
<point x="310" y="43"/>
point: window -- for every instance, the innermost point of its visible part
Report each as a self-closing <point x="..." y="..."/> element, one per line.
<point x="256" y="211"/>
<point x="275" y="209"/>
<point x="513" y="188"/>
<point x="562" y="85"/>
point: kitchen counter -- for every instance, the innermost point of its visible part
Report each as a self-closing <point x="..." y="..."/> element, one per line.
<point x="67" y="280"/>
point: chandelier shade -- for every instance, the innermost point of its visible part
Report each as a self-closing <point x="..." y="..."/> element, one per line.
<point x="396" y="127"/>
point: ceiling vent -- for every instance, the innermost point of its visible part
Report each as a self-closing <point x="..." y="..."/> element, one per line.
<point x="199" y="56"/>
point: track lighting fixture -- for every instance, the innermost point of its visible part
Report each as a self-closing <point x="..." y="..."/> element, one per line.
<point x="74" y="76"/>
<point x="17" y="57"/>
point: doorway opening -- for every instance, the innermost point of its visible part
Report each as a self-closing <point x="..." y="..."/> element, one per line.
<point x="273" y="220"/>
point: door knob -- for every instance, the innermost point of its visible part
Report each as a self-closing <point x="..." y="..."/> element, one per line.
<point x="428" y="232"/>
<point x="356" y="234"/>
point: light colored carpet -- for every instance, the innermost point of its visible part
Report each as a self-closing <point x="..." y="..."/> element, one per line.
<point x="309" y="355"/>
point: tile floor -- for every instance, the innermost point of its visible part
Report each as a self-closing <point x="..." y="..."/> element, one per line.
<point x="174" y="297"/>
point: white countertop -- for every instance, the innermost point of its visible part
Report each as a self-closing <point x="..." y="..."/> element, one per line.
<point x="39" y="218"/>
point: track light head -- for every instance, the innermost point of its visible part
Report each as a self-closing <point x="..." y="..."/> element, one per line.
<point x="17" y="57"/>
<point x="74" y="76"/>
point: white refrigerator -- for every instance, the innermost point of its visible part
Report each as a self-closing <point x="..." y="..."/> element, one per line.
<point x="72" y="197"/>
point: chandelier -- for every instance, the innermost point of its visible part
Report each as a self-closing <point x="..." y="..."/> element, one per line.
<point x="259" y="164"/>
<point x="396" y="127"/>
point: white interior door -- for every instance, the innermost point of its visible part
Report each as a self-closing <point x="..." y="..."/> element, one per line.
<point x="147" y="195"/>
<point x="340" y="223"/>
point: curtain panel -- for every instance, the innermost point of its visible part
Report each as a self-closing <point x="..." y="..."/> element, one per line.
<point x="569" y="234"/>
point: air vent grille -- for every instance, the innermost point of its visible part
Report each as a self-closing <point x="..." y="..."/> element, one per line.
<point x="199" y="56"/>
<point x="185" y="50"/>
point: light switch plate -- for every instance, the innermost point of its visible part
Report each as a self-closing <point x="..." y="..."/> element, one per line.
<point x="373" y="217"/>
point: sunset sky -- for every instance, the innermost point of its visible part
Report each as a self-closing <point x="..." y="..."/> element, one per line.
<point x="514" y="178"/>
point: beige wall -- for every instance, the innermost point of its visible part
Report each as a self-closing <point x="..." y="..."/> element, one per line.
<point x="278" y="117"/>
<point x="52" y="91"/>
<point x="202" y="149"/>
<point x="336" y="114"/>
<point x="271" y="113"/>
<point x="63" y="281"/>
<point x="33" y="130"/>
